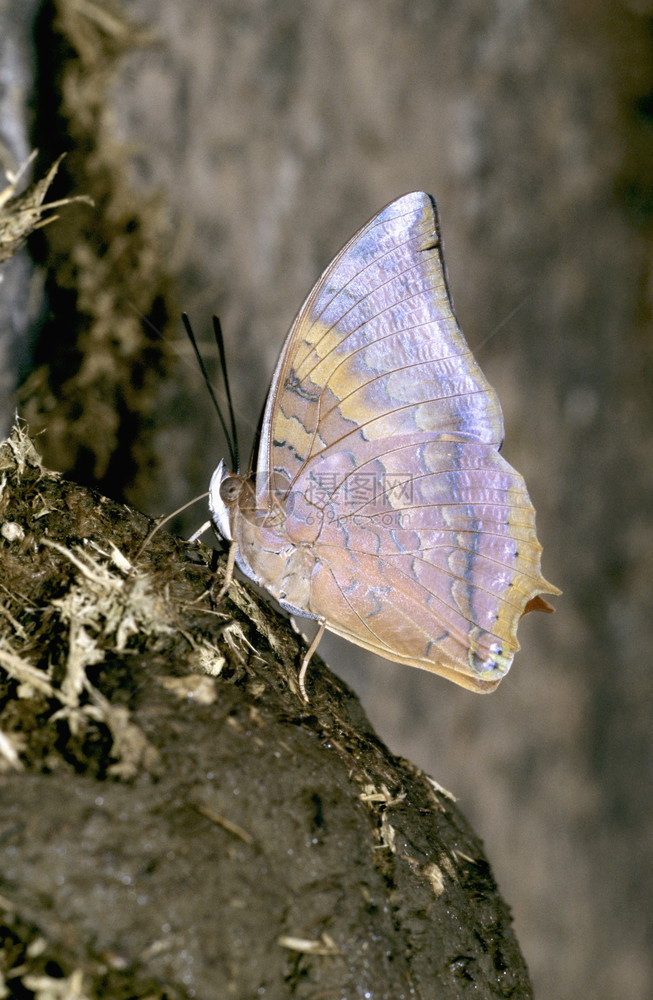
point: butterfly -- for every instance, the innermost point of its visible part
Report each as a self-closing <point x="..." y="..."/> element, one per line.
<point x="376" y="501"/>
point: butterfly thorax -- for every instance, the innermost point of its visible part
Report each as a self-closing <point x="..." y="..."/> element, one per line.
<point x="264" y="550"/>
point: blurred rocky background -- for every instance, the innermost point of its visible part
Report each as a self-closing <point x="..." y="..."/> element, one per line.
<point x="230" y="150"/>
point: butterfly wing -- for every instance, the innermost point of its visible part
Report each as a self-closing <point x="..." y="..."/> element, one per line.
<point x="377" y="325"/>
<point x="426" y="555"/>
<point x="380" y="437"/>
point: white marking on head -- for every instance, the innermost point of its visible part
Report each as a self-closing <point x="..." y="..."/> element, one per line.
<point x="217" y="506"/>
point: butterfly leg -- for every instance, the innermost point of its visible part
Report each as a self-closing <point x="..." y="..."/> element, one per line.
<point x="307" y="657"/>
<point x="228" y="572"/>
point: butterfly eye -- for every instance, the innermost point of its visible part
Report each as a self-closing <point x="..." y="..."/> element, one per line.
<point x="230" y="489"/>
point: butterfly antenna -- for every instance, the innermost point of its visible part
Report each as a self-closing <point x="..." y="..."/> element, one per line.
<point x="219" y="339"/>
<point x="231" y="444"/>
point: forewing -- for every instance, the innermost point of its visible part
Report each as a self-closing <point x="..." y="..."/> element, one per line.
<point x="375" y="354"/>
